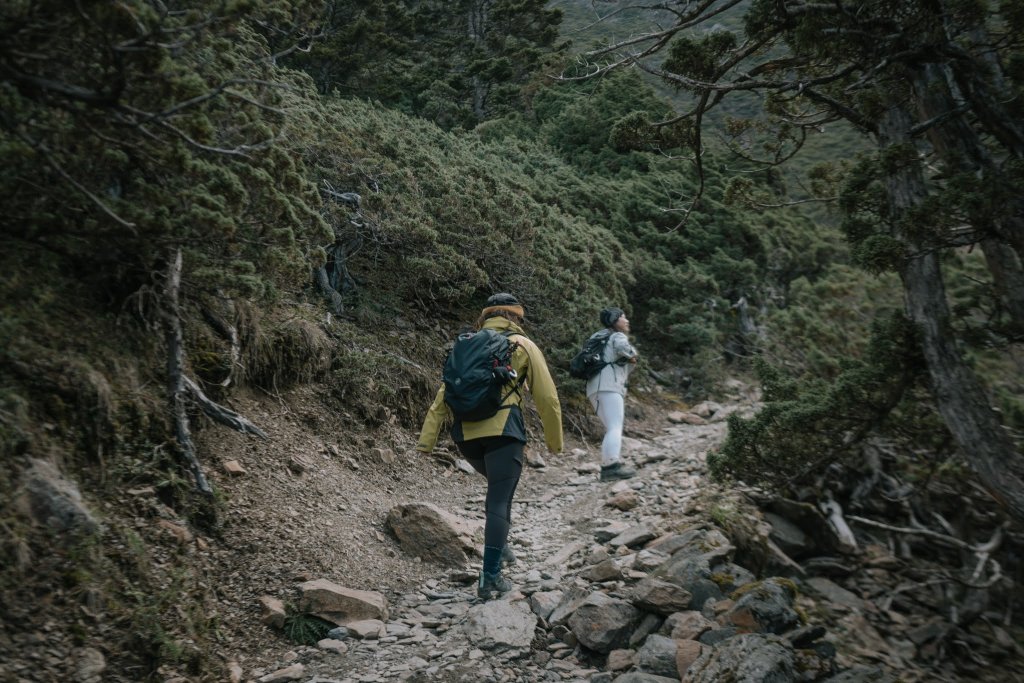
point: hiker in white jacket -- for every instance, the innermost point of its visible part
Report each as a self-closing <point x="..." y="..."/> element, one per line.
<point x="607" y="392"/>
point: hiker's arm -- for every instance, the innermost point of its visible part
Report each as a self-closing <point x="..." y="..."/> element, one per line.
<point x="545" y="396"/>
<point x="622" y="348"/>
<point x="432" y="423"/>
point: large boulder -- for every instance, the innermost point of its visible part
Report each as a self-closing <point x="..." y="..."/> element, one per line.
<point x="604" y="624"/>
<point x="55" y="502"/>
<point x="432" y="534"/>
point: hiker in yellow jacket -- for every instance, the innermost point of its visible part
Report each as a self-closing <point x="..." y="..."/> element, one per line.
<point x="494" y="446"/>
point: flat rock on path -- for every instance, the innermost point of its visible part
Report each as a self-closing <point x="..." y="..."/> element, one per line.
<point x="441" y="632"/>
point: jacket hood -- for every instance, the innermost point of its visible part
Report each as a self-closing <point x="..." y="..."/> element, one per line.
<point x="502" y="324"/>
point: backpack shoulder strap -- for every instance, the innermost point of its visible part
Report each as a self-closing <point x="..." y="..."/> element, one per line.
<point x="521" y="380"/>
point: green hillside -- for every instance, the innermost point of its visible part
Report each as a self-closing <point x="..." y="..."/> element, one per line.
<point x="206" y="200"/>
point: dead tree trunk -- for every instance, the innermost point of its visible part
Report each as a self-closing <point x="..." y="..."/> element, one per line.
<point x="959" y="395"/>
<point x="180" y="386"/>
<point x="176" y="382"/>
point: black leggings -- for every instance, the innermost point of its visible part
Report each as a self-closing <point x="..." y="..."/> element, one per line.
<point x="500" y="459"/>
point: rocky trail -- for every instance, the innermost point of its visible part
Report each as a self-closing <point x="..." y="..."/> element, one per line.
<point x="366" y="553"/>
<point x="624" y="581"/>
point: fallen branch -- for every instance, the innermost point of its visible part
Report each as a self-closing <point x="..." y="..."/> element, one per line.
<point x="930" y="534"/>
<point x="834" y="511"/>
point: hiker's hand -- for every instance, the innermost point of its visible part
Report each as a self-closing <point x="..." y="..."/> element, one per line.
<point x="633" y="360"/>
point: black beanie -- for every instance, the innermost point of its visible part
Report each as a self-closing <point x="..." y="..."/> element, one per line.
<point x="502" y="299"/>
<point x="610" y="315"/>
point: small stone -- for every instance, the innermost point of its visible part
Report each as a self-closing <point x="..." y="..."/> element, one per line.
<point x="300" y="463"/>
<point x="234" y="468"/>
<point x="273" y="611"/>
<point x="291" y="673"/>
<point x="624" y="500"/>
<point x="89" y="665"/>
<point x="332" y="645"/>
<point x="620" y="660"/>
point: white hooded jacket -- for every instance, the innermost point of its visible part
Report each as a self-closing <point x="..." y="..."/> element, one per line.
<point x="615" y="376"/>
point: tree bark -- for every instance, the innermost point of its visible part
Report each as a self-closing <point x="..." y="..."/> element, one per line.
<point x="962" y="151"/>
<point x="478" y="17"/>
<point x="959" y="395"/>
<point x="176" y="381"/>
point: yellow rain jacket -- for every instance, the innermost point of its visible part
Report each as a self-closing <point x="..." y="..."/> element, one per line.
<point x="528" y="361"/>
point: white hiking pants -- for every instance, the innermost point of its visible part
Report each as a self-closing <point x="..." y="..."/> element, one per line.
<point x="611" y="408"/>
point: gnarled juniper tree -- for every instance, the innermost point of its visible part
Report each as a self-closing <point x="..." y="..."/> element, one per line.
<point x="935" y="83"/>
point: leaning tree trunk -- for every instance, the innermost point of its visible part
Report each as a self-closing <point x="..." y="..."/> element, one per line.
<point x="959" y="394"/>
<point x="962" y="151"/>
<point x="980" y="81"/>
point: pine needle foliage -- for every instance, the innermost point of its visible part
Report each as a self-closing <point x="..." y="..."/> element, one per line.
<point x="808" y="424"/>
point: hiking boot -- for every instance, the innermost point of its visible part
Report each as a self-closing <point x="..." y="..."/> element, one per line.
<point x="507" y="557"/>
<point x="492" y="583"/>
<point x="617" y="471"/>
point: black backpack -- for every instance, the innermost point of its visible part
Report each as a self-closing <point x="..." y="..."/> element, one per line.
<point x="590" y="360"/>
<point x="476" y="372"/>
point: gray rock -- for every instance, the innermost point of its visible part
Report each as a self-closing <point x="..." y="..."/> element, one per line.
<point x="426" y="531"/>
<point x="500" y="625"/>
<point x="809" y="520"/>
<point x="686" y="625"/>
<point x="604" y="624"/>
<point x="55" y="501"/>
<point x="747" y="658"/>
<point x="543" y="603"/>
<point x="648" y="625"/>
<point x="633" y="536"/>
<point x="861" y="674"/>
<point x="729" y="577"/>
<point x="290" y="673"/>
<point x="788" y="536"/>
<point x="607" y="533"/>
<point x="341" y="605"/>
<point x="647" y="560"/>
<point x="711" y="544"/>
<point x="765" y="606"/>
<point x="640" y="677"/>
<point x="662" y="597"/>
<point x="657" y="656"/>
<point x="607" y="570"/>
<point x="717" y="635"/>
<point x="835" y="593"/>
<point x="338" y="633"/>
<point x="89" y="665"/>
<point x="569" y="603"/>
